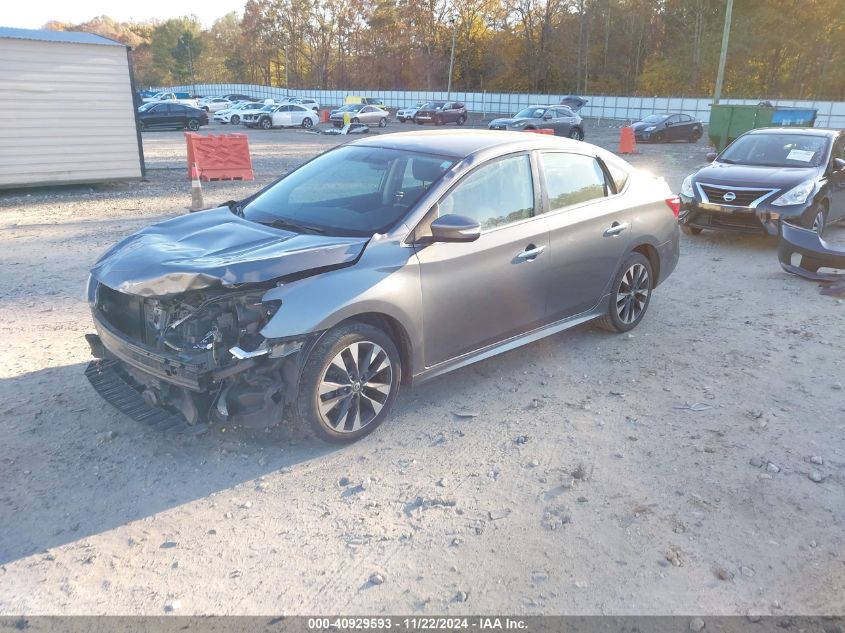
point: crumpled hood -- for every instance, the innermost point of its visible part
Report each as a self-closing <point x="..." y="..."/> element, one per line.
<point x="213" y="248"/>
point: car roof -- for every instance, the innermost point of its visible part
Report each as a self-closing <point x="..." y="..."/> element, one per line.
<point x="812" y="131"/>
<point x="463" y="143"/>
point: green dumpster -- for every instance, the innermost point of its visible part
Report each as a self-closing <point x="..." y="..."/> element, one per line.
<point x="727" y="122"/>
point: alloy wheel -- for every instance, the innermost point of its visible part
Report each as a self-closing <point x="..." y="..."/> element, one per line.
<point x="632" y="294"/>
<point x="818" y="222"/>
<point x="355" y="387"/>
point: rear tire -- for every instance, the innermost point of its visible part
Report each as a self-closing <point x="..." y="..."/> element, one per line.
<point x="576" y="134"/>
<point x="630" y="295"/>
<point x="696" y="134"/>
<point x="307" y="123"/>
<point x="382" y="122"/>
<point x="349" y="383"/>
<point x="461" y="120"/>
<point x="193" y="125"/>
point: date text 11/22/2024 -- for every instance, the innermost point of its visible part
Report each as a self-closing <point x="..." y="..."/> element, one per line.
<point x="416" y="624"/>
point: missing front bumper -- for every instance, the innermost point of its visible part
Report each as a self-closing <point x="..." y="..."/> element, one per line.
<point x="115" y="388"/>
<point x="803" y="252"/>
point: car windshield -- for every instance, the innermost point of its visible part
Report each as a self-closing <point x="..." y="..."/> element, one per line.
<point x="354" y="107"/>
<point x="530" y="113"/>
<point x="351" y="191"/>
<point x="776" y="150"/>
<point x="434" y="105"/>
<point x="655" y="118"/>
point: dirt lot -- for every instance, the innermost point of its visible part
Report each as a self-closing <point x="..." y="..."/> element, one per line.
<point x="661" y="472"/>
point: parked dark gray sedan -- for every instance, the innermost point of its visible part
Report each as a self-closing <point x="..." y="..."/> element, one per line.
<point x="561" y="119"/>
<point x="661" y="128"/>
<point x="381" y="263"/>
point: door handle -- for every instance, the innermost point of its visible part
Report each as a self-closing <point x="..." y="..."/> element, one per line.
<point x="615" y="229"/>
<point x="530" y="253"/>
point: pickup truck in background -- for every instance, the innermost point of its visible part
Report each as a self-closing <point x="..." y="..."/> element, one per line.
<point x="174" y="97"/>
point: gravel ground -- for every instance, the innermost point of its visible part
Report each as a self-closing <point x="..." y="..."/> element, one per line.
<point x="662" y="472"/>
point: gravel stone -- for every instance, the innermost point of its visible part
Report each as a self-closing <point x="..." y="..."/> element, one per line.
<point x="815" y="476"/>
<point x="376" y="579"/>
<point x="696" y="625"/>
<point x="756" y="462"/>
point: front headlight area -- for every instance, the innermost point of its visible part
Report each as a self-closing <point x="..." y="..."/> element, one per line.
<point x="686" y="188"/>
<point x="650" y="128"/>
<point x="797" y="195"/>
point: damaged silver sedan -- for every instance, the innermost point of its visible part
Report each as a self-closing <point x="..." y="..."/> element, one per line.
<point x="381" y="262"/>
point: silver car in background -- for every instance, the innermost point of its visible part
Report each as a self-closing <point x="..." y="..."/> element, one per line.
<point x="360" y="113"/>
<point x="383" y="262"/>
<point x="558" y="118"/>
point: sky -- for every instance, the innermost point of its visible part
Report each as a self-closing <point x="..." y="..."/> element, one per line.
<point x="33" y="15"/>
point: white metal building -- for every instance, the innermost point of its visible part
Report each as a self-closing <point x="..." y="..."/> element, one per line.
<point x="67" y="112"/>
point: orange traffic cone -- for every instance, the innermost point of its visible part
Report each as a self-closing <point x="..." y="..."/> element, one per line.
<point x="627" y="142"/>
<point x="197" y="203"/>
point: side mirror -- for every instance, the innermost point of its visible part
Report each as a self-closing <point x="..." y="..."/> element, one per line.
<point x="547" y="117"/>
<point x="838" y="164"/>
<point x="711" y="156"/>
<point x="455" y="228"/>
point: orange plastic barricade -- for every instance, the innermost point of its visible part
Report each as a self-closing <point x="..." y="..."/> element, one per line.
<point x="324" y="116"/>
<point x="627" y="143"/>
<point x="542" y="131"/>
<point x="221" y="157"/>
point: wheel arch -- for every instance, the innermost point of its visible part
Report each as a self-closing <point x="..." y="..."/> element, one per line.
<point x="653" y="257"/>
<point x="397" y="333"/>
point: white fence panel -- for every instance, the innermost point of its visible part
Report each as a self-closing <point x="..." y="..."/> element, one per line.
<point x="830" y="113"/>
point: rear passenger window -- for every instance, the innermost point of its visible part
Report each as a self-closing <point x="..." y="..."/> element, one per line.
<point x="618" y="171"/>
<point x="572" y="179"/>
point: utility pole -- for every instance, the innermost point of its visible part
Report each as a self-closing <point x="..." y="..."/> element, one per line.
<point x="720" y="76"/>
<point x="187" y="40"/>
<point x="451" y="57"/>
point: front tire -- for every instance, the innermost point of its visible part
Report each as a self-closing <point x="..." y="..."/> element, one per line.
<point x="266" y="124"/>
<point x="349" y="383"/>
<point x="630" y="295"/>
<point x="355" y="120"/>
<point x="817" y="220"/>
<point x="235" y="119"/>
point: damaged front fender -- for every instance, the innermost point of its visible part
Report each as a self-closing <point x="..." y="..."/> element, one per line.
<point x="803" y="252"/>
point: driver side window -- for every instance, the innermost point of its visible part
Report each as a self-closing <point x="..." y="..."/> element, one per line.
<point x="495" y="195"/>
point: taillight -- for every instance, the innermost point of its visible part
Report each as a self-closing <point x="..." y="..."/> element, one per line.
<point x="674" y="203"/>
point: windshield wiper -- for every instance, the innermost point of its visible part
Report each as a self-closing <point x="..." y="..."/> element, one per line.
<point x="287" y="224"/>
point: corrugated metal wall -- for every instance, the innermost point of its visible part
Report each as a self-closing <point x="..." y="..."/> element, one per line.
<point x="66" y="114"/>
<point x="830" y="113"/>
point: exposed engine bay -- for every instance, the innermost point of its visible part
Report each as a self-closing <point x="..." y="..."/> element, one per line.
<point x="199" y="353"/>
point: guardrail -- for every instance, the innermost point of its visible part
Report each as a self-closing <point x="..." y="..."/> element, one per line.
<point x="830" y="113"/>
